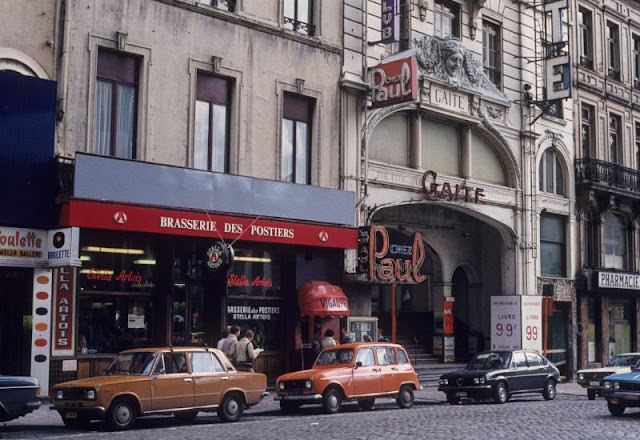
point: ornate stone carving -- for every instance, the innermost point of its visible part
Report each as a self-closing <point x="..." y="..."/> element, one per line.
<point x="447" y="61"/>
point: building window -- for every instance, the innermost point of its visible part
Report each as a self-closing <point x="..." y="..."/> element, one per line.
<point x="586" y="130"/>
<point x="211" y="140"/>
<point x="614" y="138"/>
<point x="298" y="16"/>
<point x="296" y="139"/>
<point x="636" y="61"/>
<point x="227" y="5"/>
<point x="551" y="175"/>
<point x="115" y="111"/>
<point x="491" y="51"/>
<point x="446" y="19"/>
<point x="613" y="51"/>
<point x="585" y="25"/>
<point x="638" y="145"/>
<point x="590" y="239"/>
<point x="615" y="242"/>
<point x="552" y="245"/>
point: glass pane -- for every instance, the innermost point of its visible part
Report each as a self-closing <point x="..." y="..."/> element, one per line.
<point x="301" y="152"/>
<point x="201" y="136"/>
<point x="548" y="159"/>
<point x="303" y="11"/>
<point x="559" y="179"/>
<point x="287" y="150"/>
<point x="125" y="122"/>
<point x="551" y="259"/>
<point x="541" y="175"/>
<point x="102" y="140"/>
<point x="219" y="159"/>
<point x="289" y="13"/>
<point x="552" y="229"/>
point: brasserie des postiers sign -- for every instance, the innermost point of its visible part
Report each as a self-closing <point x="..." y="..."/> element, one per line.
<point x="389" y="258"/>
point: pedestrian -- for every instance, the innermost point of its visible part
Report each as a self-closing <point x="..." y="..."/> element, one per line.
<point x="367" y="338"/>
<point x="223" y="336"/>
<point x="245" y="353"/>
<point x="230" y="343"/>
<point x="328" y="340"/>
<point x="381" y="337"/>
<point x="345" y="338"/>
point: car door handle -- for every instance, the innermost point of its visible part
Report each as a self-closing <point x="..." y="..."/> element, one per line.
<point x="394" y="369"/>
<point x="224" y="378"/>
<point x="188" y="379"/>
<point x="377" y="370"/>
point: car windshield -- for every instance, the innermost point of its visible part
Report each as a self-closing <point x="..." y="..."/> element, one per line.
<point x="488" y="361"/>
<point x="335" y="357"/>
<point x="624" y="360"/>
<point x="132" y="363"/>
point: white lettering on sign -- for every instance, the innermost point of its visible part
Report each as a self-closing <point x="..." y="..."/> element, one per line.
<point x="449" y="100"/>
<point x="612" y="280"/>
<point x="334" y="304"/>
<point x="271" y="231"/>
<point x="189" y="224"/>
<point x="385" y="88"/>
<point x="262" y="313"/>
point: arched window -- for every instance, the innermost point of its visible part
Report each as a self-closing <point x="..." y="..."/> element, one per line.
<point x="390" y="140"/>
<point x="615" y="242"/>
<point x="550" y="173"/>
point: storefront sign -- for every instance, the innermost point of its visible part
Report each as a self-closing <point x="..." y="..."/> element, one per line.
<point x="394" y="82"/>
<point x="375" y="257"/>
<point x="532" y="322"/>
<point x="444" y="191"/>
<point x="261" y="313"/>
<point x="449" y="99"/>
<point x="448" y="316"/>
<point x="27" y="245"/>
<point x="241" y="280"/>
<point x="614" y="280"/>
<point x="41" y="327"/>
<point x="220" y="256"/>
<point x="99" y="215"/>
<point x="390" y="21"/>
<point x="505" y="323"/>
<point x="63" y="245"/>
<point x="63" y="312"/>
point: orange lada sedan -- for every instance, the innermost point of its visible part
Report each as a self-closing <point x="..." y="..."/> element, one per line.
<point x="171" y="380"/>
<point x="359" y="372"/>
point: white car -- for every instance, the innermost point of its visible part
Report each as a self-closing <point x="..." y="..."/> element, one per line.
<point x="590" y="378"/>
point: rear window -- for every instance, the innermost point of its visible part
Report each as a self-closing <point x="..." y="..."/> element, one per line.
<point x="402" y="357"/>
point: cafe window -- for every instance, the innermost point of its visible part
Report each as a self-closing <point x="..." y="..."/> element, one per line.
<point x="254" y="301"/>
<point x="116" y="284"/>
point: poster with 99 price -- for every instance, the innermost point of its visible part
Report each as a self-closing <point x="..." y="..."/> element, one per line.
<point x="532" y="322"/>
<point x="505" y="322"/>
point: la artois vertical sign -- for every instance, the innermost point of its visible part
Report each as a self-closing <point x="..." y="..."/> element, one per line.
<point x="387" y="261"/>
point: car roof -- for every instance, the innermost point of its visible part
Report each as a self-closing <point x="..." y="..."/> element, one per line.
<point x="170" y="348"/>
<point x="353" y="345"/>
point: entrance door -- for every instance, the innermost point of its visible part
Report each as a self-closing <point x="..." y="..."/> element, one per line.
<point x="16" y="290"/>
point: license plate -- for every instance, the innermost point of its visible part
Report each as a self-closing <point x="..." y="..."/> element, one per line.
<point x="461" y="394"/>
<point x="613" y="401"/>
<point x="71" y="415"/>
<point x="594" y="383"/>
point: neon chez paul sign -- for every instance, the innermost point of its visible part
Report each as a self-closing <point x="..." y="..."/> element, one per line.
<point x="376" y="257"/>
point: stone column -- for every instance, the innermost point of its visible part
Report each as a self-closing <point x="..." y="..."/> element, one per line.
<point x="465" y="152"/>
<point x="415" y="153"/>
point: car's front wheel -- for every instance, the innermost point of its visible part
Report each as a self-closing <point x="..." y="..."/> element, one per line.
<point x="615" y="410"/>
<point x="231" y="408"/>
<point x="332" y="401"/>
<point x="405" y="397"/>
<point x="500" y="393"/>
<point x="591" y="394"/>
<point x="122" y="414"/>
<point x="549" y="392"/>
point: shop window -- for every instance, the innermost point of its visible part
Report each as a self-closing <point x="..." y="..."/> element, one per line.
<point x="296" y="139"/>
<point x="552" y="246"/>
<point x="613" y="51"/>
<point x="440" y="147"/>
<point x="115" y="104"/>
<point x="594" y="330"/>
<point x="585" y="36"/>
<point x="389" y="141"/>
<point x="615" y="242"/>
<point x="550" y="173"/>
<point x="211" y="138"/>
<point x="587" y="127"/>
<point x="116" y="286"/>
<point x="446" y="19"/>
<point x="620" y="317"/>
<point x="298" y="16"/>
<point x="491" y="54"/>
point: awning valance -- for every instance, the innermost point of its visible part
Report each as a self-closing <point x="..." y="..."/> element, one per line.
<point x="319" y="298"/>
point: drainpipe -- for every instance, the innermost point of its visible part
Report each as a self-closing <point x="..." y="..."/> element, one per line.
<point x="65" y="14"/>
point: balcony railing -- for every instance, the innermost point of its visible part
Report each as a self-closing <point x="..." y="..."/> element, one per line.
<point x="607" y="174"/>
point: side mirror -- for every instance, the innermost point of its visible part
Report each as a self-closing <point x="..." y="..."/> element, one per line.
<point x="358" y="364"/>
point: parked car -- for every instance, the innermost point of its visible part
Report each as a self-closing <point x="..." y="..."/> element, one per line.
<point x="169" y="380"/>
<point x="359" y="372"/>
<point x="622" y="390"/>
<point x="19" y="395"/>
<point x="590" y="378"/>
<point x="500" y="374"/>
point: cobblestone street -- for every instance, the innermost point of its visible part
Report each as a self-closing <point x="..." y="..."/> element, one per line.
<point x="570" y="416"/>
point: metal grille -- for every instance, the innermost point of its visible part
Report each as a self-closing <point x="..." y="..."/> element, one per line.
<point x="74" y="394"/>
<point x="631" y="386"/>
<point x="294" y="385"/>
<point x="596" y="376"/>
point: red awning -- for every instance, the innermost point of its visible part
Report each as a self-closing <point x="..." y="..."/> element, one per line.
<point x="319" y="298"/>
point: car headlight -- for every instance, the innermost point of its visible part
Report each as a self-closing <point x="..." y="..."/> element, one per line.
<point x="281" y="386"/>
<point x="59" y="395"/>
<point x="91" y="394"/>
<point x="606" y="385"/>
<point x="616" y="385"/>
<point x="443" y="381"/>
<point x="308" y="384"/>
<point x="580" y="376"/>
<point x="479" y="380"/>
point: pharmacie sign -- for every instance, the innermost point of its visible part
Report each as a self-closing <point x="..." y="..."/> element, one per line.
<point x="394" y="82"/>
<point x="614" y="280"/>
<point x="390" y="258"/>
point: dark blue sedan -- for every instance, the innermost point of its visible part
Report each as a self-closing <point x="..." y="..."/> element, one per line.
<point x="19" y="395"/>
<point x="622" y="390"/>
